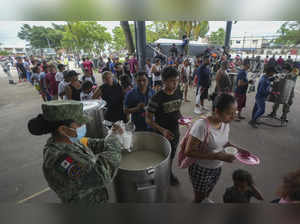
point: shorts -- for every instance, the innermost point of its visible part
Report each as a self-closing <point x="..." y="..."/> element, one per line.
<point x="204" y="179"/>
<point x="158" y="83"/>
<point x="203" y="93"/>
<point x="241" y="101"/>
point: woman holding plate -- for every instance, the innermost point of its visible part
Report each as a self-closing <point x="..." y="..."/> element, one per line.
<point x="206" y="142"/>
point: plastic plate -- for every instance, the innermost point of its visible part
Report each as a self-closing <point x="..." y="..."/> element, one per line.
<point x="248" y="159"/>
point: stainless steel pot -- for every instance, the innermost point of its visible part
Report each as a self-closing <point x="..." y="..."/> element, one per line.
<point x="150" y="184"/>
<point x="94" y="109"/>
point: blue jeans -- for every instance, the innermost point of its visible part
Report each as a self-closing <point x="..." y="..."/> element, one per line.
<point x="259" y="109"/>
<point x="28" y="77"/>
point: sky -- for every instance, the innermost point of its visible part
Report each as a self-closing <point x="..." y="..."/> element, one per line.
<point x="9" y="29"/>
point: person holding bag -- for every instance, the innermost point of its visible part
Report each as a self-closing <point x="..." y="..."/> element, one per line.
<point x="202" y="149"/>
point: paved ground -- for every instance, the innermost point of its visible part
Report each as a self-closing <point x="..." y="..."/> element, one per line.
<point x="20" y="164"/>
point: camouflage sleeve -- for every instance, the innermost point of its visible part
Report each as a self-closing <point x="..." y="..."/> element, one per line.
<point x="108" y="156"/>
<point x="84" y="172"/>
<point x="96" y="144"/>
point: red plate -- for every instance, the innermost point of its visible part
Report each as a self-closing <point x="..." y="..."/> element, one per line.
<point x="248" y="159"/>
<point x="185" y="121"/>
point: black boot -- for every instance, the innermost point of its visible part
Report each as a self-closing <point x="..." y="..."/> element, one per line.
<point x="272" y="115"/>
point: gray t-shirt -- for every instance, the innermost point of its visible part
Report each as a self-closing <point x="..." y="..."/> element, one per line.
<point x="217" y="138"/>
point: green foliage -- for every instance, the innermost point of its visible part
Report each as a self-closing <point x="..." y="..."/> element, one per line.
<point x="159" y="29"/>
<point x="217" y="37"/>
<point x="41" y="37"/>
<point x="193" y="29"/>
<point x="88" y="36"/>
<point x="289" y="34"/>
<point x="4" y="53"/>
<point x="119" y="39"/>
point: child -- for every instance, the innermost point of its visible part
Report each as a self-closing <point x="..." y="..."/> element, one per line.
<point x="61" y="86"/>
<point x="242" y="190"/>
<point x="87" y="76"/>
<point x="163" y="112"/>
<point x="35" y="79"/>
<point x="86" y="91"/>
<point x="60" y="74"/>
<point x="126" y="85"/>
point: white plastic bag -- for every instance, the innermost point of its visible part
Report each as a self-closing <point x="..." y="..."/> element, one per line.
<point x="126" y="137"/>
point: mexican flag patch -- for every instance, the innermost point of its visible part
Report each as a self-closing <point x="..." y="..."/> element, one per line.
<point x="66" y="163"/>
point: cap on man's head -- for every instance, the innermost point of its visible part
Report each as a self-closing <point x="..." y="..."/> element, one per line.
<point x="60" y="66"/>
<point x="61" y="110"/>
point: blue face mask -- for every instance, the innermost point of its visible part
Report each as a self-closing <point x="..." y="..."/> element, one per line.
<point x="81" y="131"/>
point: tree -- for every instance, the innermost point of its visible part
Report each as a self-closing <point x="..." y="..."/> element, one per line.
<point x="159" y="29"/>
<point x="217" y="37"/>
<point x="128" y="36"/>
<point x="289" y="34"/>
<point x="193" y="29"/>
<point x="119" y="41"/>
<point x="88" y="36"/>
<point x="40" y="36"/>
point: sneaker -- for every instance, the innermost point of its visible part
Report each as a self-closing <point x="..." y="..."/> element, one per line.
<point x="174" y="180"/>
<point x="197" y="110"/>
<point x="207" y="200"/>
<point x="241" y="117"/>
<point x="253" y="124"/>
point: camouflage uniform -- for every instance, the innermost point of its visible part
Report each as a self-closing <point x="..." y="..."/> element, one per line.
<point x="79" y="174"/>
<point x="286" y="106"/>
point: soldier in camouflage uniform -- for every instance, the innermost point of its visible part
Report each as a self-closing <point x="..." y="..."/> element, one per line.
<point x="78" y="174"/>
<point x="286" y="106"/>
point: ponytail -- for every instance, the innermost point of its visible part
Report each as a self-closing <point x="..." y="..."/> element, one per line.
<point x="40" y="126"/>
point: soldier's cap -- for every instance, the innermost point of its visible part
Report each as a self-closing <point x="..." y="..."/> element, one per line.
<point x="61" y="110"/>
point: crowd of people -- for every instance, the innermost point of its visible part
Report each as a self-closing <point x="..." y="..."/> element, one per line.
<point x="151" y="98"/>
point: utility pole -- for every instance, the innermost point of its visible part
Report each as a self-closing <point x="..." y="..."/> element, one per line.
<point x="228" y="34"/>
<point x="141" y="43"/>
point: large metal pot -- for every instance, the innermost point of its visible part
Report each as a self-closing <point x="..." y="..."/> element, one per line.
<point x="150" y="184"/>
<point x="281" y="91"/>
<point x="94" y="109"/>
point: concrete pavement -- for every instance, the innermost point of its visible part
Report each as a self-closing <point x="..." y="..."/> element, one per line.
<point x="21" y="154"/>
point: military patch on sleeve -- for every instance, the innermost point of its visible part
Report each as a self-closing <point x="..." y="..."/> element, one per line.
<point x="75" y="170"/>
<point x="67" y="166"/>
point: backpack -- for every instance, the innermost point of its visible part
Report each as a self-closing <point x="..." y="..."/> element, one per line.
<point x="183" y="160"/>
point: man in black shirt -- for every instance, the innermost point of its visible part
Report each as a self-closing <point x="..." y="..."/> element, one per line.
<point x="173" y="51"/>
<point x="163" y="111"/>
<point x="112" y="93"/>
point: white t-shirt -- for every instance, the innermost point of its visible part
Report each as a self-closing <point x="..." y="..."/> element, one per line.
<point x="61" y="88"/>
<point x="86" y="96"/>
<point x="216" y="140"/>
<point x="148" y="70"/>
<point x="186" y="70"/>
<point x="59" y="76"/>
<point x="158" y="68"/>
